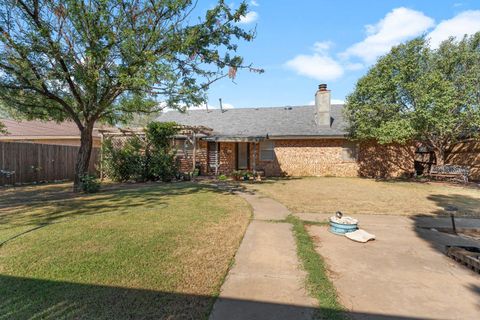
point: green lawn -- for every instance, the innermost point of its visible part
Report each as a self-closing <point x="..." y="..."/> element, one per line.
<point x="367" y="196"/>
<point x="151" y="251"/>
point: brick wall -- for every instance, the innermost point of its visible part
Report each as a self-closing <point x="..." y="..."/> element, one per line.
<point x="467" y="154"/>
<point x="185" y="160"/>
<point x="316" y="157"/>
<point x="386" y="161"/>
<point x="227" y="157"/>
<point x="324" y="157"/>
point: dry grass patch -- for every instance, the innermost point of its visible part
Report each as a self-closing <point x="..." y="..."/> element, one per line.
<point x="157" y="251"/>
<point x="355" y="196"/>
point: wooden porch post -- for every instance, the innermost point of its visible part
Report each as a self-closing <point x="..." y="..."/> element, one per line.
<point x="217" y="158"/>
<point x="254" y="158"/>
<point x="194" y="155"/>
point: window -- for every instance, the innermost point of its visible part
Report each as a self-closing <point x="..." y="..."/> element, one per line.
<point x="349" y="152"/>
<point x="267" y="152"/>
<point x="184" y="147"/>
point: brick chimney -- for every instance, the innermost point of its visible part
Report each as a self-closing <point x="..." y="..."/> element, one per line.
<point x="322" y="106"/>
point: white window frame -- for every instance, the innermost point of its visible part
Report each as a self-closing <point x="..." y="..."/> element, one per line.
<point x="267" y="146"/>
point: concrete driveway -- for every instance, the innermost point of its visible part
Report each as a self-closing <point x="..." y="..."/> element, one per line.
<point x="404" y="273"/>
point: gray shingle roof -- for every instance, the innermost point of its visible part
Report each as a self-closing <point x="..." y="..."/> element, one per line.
<point x="251" y="122"/>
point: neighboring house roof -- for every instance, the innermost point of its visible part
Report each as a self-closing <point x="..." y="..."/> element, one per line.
<point x="251" y="122"/>
<point x="40" y="130"/>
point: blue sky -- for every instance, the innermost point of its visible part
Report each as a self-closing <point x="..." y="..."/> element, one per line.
<point x="303" y="43"/>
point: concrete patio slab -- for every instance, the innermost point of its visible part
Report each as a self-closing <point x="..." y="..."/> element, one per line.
<point x="403" y="273"/>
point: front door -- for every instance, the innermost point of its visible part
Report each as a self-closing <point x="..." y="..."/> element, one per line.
<point x="242" y="156"/>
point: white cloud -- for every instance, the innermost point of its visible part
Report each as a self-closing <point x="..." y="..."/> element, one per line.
<point x="322" y="47"/>
<point x="398" y="25"/>
<point x="254" y="3"/>
<point x="353" y="66"/>
<point x="319" y="65"/>
<point x="467" y="22"/>
<point x="250" y="17"/>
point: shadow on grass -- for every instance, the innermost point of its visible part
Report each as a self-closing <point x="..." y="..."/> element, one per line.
<point x="44" y="207"/>
<point x="466" y="205"/>
<point x="26" y="298"/>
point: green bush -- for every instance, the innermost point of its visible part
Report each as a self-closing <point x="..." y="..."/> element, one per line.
<point x="160" y="162"/>
<point x="126" y="162"/>
<point x="90" y="184"/>
<point x="161" y="166"/>
<point x="222" y="177"/>
<point x="136" y="159"/>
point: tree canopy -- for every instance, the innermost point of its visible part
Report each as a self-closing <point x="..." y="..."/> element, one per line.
<point x="102" y="60"/>
<point x="416" y="93"/>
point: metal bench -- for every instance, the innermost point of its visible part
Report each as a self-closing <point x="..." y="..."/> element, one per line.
<point x="6" y="173"/>
<point x="450" y="171"/>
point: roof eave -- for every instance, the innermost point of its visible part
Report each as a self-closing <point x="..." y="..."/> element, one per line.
<point x="235" y="138"/>
<point x="307" y="137"/>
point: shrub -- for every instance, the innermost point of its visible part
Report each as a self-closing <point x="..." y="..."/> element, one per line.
<point x="90" y="184"/>
<point x="124" y="163"/>
<point x="161" y="166"/>
<point x="159" y="134"/>
<point x="222" y="177"/>
<point x="135" y="159"/>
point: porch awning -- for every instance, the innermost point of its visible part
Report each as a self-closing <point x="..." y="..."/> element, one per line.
<point x="234" y="138"/>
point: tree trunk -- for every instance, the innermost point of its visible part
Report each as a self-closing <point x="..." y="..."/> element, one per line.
<point x="440" y="156"/>
<point x="83" y="157"/>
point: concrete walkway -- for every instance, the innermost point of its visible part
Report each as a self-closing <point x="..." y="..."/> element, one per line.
<point x="404" y="272"/>
<point x="266" y="281"/>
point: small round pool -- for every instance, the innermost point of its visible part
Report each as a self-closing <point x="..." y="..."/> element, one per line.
<point x="343" y="225"/>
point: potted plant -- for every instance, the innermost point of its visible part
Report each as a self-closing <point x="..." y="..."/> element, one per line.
<point x="196" y="172"/>
<point x="247" y="175"/>
<point x="187" y="176"/>
<point x="237" y="175"/>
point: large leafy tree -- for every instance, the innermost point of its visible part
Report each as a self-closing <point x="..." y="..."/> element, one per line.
<point x="416" y="93"/>
<point x="101" y="60"/>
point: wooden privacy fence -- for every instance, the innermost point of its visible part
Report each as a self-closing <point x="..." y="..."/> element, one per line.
<point x="30" y="162"/>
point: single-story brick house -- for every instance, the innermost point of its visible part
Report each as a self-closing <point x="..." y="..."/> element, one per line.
<point x="291" y="140"/>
